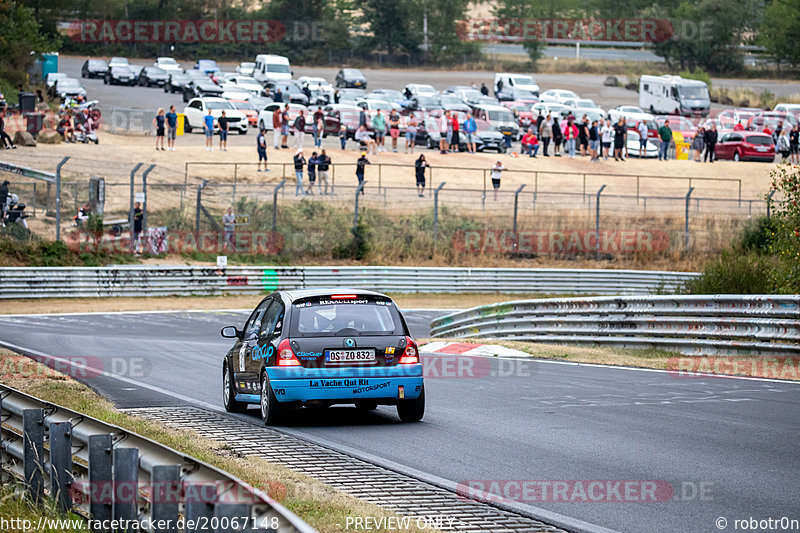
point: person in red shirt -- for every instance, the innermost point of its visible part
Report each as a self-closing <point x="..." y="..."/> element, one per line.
<point x="738" y="126"/>
<point x="766" y="130"/>
<point x="530" y="144"/>
<point x="454" y="140"/>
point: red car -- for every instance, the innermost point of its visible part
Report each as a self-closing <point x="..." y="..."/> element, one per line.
<point x="248" y="110"/>
<point x="746" y="146"/>
<point x="682" y="125"/>
<point x="522" y="111"/>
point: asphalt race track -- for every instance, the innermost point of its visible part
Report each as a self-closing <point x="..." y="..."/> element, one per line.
<point x="737" y="439"/>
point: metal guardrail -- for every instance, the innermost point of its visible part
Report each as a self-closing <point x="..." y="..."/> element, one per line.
<point x="721" y="324"/>
<point x="139" y="280"/>
<point x="106" y="473"/>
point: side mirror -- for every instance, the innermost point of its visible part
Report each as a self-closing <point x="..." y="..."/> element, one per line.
<point x="231" y="332"/>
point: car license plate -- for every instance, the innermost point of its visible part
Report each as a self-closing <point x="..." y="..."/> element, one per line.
<point x="762" y="148"/>
<point x="349" y="356"/>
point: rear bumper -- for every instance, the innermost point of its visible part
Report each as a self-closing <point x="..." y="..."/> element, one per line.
<point x="345" y="384"/>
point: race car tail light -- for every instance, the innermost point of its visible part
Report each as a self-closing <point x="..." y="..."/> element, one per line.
<point x="343" y="297"/>
<point x="410" y="355"/>
<point x="286" y="356"/>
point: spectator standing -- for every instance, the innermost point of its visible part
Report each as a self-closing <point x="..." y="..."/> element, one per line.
<point x="739" y="126"/>
<point x="454" y="126"/>
<point x="172" y="128"/>
<point x="276" y="127"/>
<point x="300" y="130"/>
<point x="497" y="174"/>
<point x="642" y="129"/>
<point x="698" y="143"/>
<point x="208" y="128"/>
<point x="710" y="138"/>
<point x="285" y="127"/>
<point x="278" y="95"/>
<point x="784" y="145"/>
<point x="343" y="136"/>
<point x="444" y="126"/>
<point x="470" y="128"/>
<point x="261" y="147"/>
<point x="223" y="132"/>
<point x="794" y="145"/>
<point x="558" y="136"/>
<point x="137" y="226"/>
<point x="546" y="133"/>
<point x="361" y="165"/>
<point x="411" y="133"/>
<point x="594" y="141"/>
<point x="619" y="140"/>
<point x="420" y="165"/>
<point x="484" y="89"/>
<point x="362" y="118"/>
<point x="229" y="227"/>
<point x="379" y="128"/>
<point x="323" y="164"/>
<point x="299" y="163"/>
<point x="665" y="133"/>
<point x="319" y="125"/>
<point x="159" y="123"/>
<point x="606" y="136"/>
<point x="583" y="135"/>
<point x="570" y="135"/>
<point x="394" y="128"/>
<point x="539" y="120"/>
<point x="313" y="161"/>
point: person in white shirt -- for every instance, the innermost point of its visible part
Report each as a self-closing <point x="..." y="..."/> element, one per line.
<point x="497" y="173"/>
<point x="607" y="135"/>
<point x="444" y="123"/>
<point x="642" y="138"/>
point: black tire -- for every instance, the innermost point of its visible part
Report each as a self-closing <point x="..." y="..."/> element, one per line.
<point x="366" y="405"/>
<point x="96" y="141"/>
<point x="243" y="132"/>
<point x="187" y="128"/>
<point x="736" y="157"/>
<point x="185" y="98"/>
<point x="271" y="410"/>
<point x="412" y="410"/>
<point x="229" y="393"/>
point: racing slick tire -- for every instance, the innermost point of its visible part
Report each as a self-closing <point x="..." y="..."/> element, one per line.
<point x="228" y="392"/>
<point x="271" y="411"/>
<point x="412" y="410"/>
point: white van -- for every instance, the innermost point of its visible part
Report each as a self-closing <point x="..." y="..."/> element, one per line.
<point x="519" y="81"/>
<point x="673" y="95"/>
<point x="270" y="67"/>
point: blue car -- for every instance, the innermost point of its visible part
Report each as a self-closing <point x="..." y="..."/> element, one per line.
<point x="209" y="66"/>
<point x="322" y="347"/>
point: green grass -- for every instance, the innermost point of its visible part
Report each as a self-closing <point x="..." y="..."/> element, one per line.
<point x="22" y="516"/>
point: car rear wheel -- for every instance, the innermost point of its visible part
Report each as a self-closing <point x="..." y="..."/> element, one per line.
<point x="229" y="393"/>
<point x="736" y="156"/>
<point x="412" y="410"/>
<point x="243" y="131"/>
<point x="270" y="409"/>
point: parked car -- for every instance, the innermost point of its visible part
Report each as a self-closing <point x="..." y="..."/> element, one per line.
<point x="746" y="146"/>
<point x="197" y="109"/>
<point x="265" y="115"/>
<point x="682" y="125"/>
<point x="137" y="72"/>
<point x="632" y="145"/>
<point x="772" y="120"/>
<point x="176" y="82"/>
<point x="419" y="89"/>
<point x="557" y="96"/>
<point x="453" y="103"/>
<point x="337" y="115"/>
<point x="245" y="68"/>
<point x="119" y="75"/>
<point x="350" y="77"/>
<point x="249" y="111"/>
<point x="729" y="118"/>
<point x="199" y="87"/>
<point x="151" y="76"/>
<point x="487" y="137"/>
<point x="68" y="88"/>
<point x="94" y="68"/>
<point x="51" y="79"/>
<point x="424" y="102"/>
<point x="516" y="93"/>
<point x="522" y="111"/>
<point x="168" y="64"/>
<point x="245" y="83"/>
<point x="500" y="118"/>
<point x="629" y="112"/>
<point x="118" y="62"/>
<point x="390" y="95"/>
<point x="209" y="66"/>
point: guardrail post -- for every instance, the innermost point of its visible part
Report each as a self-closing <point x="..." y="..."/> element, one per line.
<point x="165" y="495"/>
<point x="769" y="202"/>
<point x="100" y="475"/>
<point x="686" y="231"/>
<point x="33" y="453"/>
<point x="126" y="480"/>
<point x="436" y="213"/>
<point x="597" y="219"/>
<point x="355" y="214"/>
<point x="58" y="197"/>
<point x="61" y="463"/>
<point x="231" y="513"/>
<point x="200" y="501"/>
<point x="516" y="204"/>
<point x="144" y="191"/>
<point x="275" y="206"/>
<point x="130" y="209"/>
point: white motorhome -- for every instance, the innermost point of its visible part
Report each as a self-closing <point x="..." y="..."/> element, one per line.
<point x="519" y="81"/>
<point x="271" y="67"/>
<point x="673" y="95"/>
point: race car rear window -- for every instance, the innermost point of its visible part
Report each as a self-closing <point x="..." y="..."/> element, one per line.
<point x="345" y="314"/>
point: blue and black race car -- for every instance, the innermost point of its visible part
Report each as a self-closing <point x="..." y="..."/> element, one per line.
<point x="323" y="347"/>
